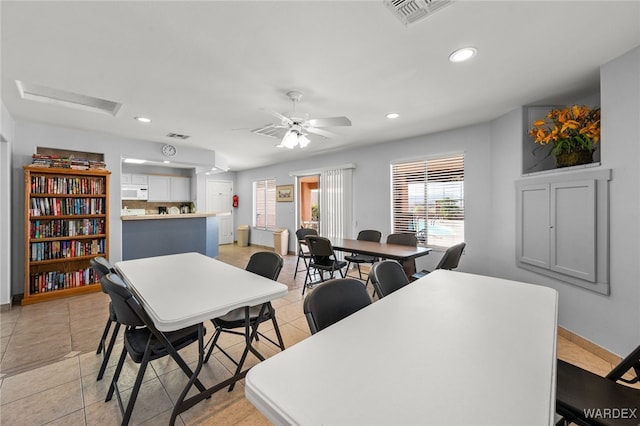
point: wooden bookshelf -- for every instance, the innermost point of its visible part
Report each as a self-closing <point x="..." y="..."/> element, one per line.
<point x="66" y="225"/>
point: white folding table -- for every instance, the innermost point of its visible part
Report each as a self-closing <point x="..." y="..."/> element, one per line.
<point x="450" y="348"/>
<point x="181" y="290"/>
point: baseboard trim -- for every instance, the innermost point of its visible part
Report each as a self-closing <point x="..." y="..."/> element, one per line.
<point x="589" y="346"/>
<point x="6" y="306"/>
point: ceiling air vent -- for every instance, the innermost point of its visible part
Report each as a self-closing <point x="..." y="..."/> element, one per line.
<point x="178" y="136"/>
<point x="411" y="11"/>
<point x="269" y="130"/>
<point x="35" y="92"/>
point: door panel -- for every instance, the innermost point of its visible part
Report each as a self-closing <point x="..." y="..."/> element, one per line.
<point x="219" y="200"/>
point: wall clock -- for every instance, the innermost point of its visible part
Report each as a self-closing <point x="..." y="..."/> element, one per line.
<point x="169" y="150"/>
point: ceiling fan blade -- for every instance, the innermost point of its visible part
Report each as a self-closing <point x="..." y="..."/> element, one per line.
<point x="329" y="122"/>
<point x="320" y="132"/>
<point x="284" y="118"/>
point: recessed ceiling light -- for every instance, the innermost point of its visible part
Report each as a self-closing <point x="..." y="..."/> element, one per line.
<point x="393" y="115"/>
<point x="463" y="54"/>
<point x="166" y="161"/>
<point x="143" y="119"/>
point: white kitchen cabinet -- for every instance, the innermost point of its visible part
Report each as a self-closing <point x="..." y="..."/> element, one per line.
<point x="133" y="179"/>
<point x="169" y="188"/>
<point x="563" y="227"/>
<point x="137" y="179"/>
<point x="180" y="189"/>
<point x="159" y="188"/>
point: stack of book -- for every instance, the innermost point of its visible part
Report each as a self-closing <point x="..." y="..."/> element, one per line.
<point x="42" y="160"/>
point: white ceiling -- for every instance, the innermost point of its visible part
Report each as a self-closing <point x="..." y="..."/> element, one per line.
<point x="213" y="69"/>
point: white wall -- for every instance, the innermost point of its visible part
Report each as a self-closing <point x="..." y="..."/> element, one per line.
<point x="610" y="321"/>
<point x="7" y="126"/>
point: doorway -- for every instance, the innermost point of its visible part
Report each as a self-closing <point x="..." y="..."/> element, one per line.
<point x="219" y="199"/>
<point x="309" y="204"/>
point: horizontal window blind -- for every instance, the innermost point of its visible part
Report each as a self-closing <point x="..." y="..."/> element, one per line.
<point x="264" y="195"/>
<point x="428" y="199"/>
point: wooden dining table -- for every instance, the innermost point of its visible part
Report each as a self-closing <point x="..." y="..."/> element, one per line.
<point x="406" y="255"/>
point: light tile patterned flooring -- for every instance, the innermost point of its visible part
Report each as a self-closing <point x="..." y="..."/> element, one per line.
<point x="48" y="367"/>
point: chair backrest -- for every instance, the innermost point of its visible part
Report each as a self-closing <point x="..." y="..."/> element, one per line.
<point x="334" y="300"/>
<point x="403" y="238"/>
<point x="300" y="235"/>
<point x="369" y="235"/>
<point x="388" y="276"/>
<point x="451" y="257"/>
<point x="320" y="247"/>
<point x="120" y="300"/>
<point x="265" y="263"/>
<point x="102" y="267"/>
<point x="303" y="232"/>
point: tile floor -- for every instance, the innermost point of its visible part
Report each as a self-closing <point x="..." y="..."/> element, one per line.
<point x="48" y="363"/>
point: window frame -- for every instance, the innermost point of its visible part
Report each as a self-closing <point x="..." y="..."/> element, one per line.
<point x="445" y="218"/>
<point x="264" y="204"/>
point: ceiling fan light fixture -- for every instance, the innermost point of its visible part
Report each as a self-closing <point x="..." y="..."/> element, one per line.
<point x="303" y="141"/>
<point x="289" y="141"/>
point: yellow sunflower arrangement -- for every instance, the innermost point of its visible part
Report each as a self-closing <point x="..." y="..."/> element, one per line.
<point x="571" y="129"/>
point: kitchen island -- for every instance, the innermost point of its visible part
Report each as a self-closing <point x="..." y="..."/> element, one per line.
<point x="162" y="234"/>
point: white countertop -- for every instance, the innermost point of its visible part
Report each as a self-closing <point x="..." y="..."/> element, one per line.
<point x="172" y="216"/>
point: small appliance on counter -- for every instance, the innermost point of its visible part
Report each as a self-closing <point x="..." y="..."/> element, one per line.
<point x="162" y="210"/>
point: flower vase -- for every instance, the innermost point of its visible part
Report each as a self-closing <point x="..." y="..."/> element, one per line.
<point x="574" y="158"/>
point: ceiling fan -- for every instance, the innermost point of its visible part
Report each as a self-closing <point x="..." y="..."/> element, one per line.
<point x="293" y="129"/>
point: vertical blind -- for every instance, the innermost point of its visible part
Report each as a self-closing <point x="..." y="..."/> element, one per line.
<point x="264" y="204"/>
<point x="336" y="203"/>
<point x="428" y="199"/>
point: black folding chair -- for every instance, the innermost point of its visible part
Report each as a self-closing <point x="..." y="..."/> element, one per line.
<point x="405" y="239"/>
<point x="142" y="341"/>
<point x="333" y="301"/>
<point x="303" y="249"/>
<point x="103" y="267"/>
<point x="267" y="264"/>
<point x="585" y="398"/>
<point x="449" y="260"/>
<point x="323" y="259"/>
<point x="358" y="259"/>
<point x="387" y="276"/>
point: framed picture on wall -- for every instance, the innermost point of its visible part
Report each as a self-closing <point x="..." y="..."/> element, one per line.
<point x="284" y="193"/>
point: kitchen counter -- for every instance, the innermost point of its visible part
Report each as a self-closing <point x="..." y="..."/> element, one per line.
<point x="172" y="216"/>
<point x="162" y="234"/>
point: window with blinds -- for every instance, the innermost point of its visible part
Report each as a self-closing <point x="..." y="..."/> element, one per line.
<point x="428" y="199"/>
<point x="264" y="204"/>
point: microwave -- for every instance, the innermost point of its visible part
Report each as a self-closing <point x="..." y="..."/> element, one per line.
<point x="135" y="192"/>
